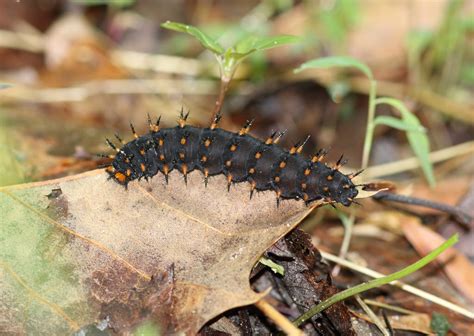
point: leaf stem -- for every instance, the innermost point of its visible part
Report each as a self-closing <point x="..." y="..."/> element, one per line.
<point x="375" y="282"/>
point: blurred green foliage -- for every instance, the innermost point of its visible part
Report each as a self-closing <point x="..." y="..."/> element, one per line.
<point x="443" y="59"/>
<point x="229" y="58"/>
<point x="439" y="324"/>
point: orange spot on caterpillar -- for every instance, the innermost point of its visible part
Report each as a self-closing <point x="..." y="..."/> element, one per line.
<point x="181" y="156"/>
<point x="277" y="179"/>
<point x="128" y="172"/>
<point x="258" y="155"/>
<point x="282" y="164"/>
<point x="329" y="178"/>
<point x="120" y="177"/>
<point x="160" y="142"/>
<point x="228" y="163"/>
<point x="207" y="143"/>
<point x="142" y="151"/>
<point x="304" y="186"/>
<point x="183" y="141"/>
<point x="251" y="170"/>
<point x="307" y="171"/>
<point x="233" y="148"/>
<point x="142" y="167"/>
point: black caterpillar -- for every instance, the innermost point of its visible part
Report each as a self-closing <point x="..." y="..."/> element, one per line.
<point x="239" y="156"/>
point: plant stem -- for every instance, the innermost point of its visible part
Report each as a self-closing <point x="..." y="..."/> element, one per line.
<point x="375" y="282"/>
<point x="369" y="132"/>
<point x="227" y="69"/>
<point x="222" y="91"/>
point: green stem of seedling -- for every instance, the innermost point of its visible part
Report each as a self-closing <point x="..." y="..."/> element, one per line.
<point x="376" y="282"/>
<point x="227" y="67"/>
<point x="348" y="226"/>
<point x="369" y="132"/>
<point x="348" y="223"/>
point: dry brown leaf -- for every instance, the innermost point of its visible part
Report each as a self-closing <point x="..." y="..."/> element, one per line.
<point x="416" y="322"/>
<point x="457" y="267"/>
<point x="78" y="250"/>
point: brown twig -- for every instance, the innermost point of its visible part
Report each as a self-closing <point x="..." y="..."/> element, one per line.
<point x="280" y="320"/>
<point x="458" y="213"/>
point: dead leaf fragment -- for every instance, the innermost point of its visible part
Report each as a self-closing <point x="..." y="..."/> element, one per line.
<point x="99" y="256"/>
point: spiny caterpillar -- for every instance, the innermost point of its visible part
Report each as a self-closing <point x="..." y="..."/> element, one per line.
<point x="239" y="156"/>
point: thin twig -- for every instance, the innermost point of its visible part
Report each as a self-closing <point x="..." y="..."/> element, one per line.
<point x="401" y="166"/>
<point x="372" y="316"/>
<point x="108" y="87"/>
<point x="387" y="323"/>
<point x="21" y="41"/>
<point x="457" y="212"/>
<point x="390" y="307"/>
<point x="408" y="288"/>
<point x="163" y="63"/>
<point x="280" y="320"/>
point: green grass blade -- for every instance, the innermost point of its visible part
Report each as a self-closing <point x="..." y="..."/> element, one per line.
<point x="206" y="41"/>
<point x="418" y="141"/>
<point x="376" y="282"/>
<point x="336" y="61"/>
<point x="398" y="124"/>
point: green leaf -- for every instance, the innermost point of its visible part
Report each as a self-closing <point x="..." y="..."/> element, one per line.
<point x="439" y="324"/>
<point x="418" y="141"/>
<point x="273" y="265"/>
<point x="398" y="124"/>
<point x="253" y="43"/>
<point x="206" y="41"/>
<point x="336" y="61"/>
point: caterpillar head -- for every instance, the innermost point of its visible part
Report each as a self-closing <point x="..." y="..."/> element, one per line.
<point x="342" y="190"/>
<point x="331" y="185"/>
